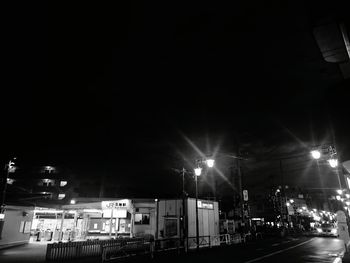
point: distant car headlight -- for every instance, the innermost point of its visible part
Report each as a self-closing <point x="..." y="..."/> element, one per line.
<point x="334" y="231"/>
<point x="319" y="230"/>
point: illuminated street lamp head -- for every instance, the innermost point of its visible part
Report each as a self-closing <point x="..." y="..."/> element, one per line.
<point x="288" y="204"/>
<point x="333" y="162"/>
<point x="72" y="202"/>
<point x="315" y="154"/>
<point x="338" y="197"/>
<point x="198" y="171"/>
<point x="291" y="201"/>
<point x="339" y="191"/>
<point x="210" y="163"/>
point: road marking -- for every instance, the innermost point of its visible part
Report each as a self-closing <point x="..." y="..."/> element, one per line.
<point x="337" y="260"/>
<point x="276" y="244"/>
<point x="278" y="252"/>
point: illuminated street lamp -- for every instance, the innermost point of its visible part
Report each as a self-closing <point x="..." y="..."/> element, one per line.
<point x="210" y="163"/>
<point x="316" y="154"/>
<point x="333" y="162"/>
<point x="339" y="191"/>
<point x="197" y="172"/>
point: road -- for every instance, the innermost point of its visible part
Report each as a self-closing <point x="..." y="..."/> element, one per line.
<point x="301" y="249"/>
<point x="286" y="250"/>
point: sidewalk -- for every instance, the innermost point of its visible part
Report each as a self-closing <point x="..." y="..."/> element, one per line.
<point x="31" y="252"/>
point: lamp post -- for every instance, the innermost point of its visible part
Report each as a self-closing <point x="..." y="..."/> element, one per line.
<point x="9" y="167"/>
<point x="197" y="172"/>
<point x="331" y="156"/>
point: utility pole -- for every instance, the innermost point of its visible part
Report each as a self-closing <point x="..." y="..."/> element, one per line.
<point x="184" y="209"/>
<point x="282" y="192"/>
<point x="9" y="168"/>
<point x="284" y="209"/>
<point x="240" y="180"/>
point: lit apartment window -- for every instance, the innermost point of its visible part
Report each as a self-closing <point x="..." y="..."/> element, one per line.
<point x="49" y="169"/>
<point x="141" y="219"/>
<point x="47" y="182"/>
<point x="63" y="183"/>
<point x="61" y="196"/>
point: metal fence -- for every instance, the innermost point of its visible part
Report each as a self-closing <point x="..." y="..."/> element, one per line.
<point x="80" y="249"/>
<point x="115" y="249"/>
<point x="129" y="248"/>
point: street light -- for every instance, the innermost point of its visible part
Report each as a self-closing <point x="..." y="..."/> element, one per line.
<point x="316" y="154"/>
<point x="333" y="162"/>
<point x="197" y="172"/>
<point x="210" y="163"/>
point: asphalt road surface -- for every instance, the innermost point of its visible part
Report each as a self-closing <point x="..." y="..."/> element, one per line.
<point x="286" y="250"/>
<point x="301" y="249"/>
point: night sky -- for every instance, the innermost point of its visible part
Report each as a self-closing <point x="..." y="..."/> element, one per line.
<point x="115" y="91"/>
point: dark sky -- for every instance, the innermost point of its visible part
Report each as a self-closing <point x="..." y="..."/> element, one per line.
<point x="112" y="90"/>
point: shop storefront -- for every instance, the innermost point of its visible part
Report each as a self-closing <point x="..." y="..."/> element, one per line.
<point x="103" y="219"/>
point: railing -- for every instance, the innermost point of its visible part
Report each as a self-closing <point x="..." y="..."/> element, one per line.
<point x="115" y="249"/>
<point x="220" y="240"/>
<point x="80" y="249"/>
<point x="168" y="244"/>
<point x="203" y="241"/>
<point x="126" y="249"/>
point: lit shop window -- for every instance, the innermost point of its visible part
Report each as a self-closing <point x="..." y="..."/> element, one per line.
<point x="61" y="196"/>
<point x="63" y="183"/>
<point x="141" y="219"/>
<point x="47" y="182"/>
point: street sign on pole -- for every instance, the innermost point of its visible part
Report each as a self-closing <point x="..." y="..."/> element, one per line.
<point x="245" y="195"/>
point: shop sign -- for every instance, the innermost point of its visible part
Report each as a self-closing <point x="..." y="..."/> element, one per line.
<point x="124" y="203"/>
<point x="205" y="204"/>
<point x="119" y="213"/>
